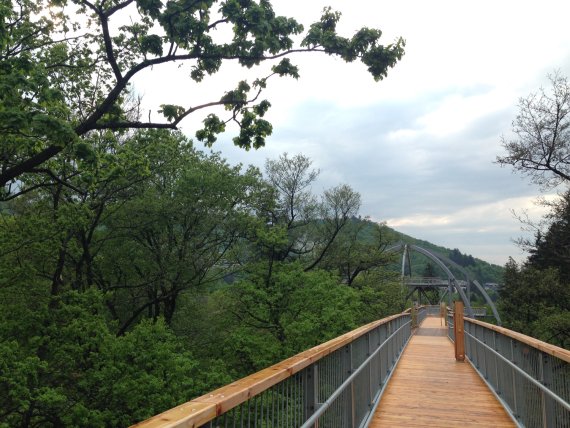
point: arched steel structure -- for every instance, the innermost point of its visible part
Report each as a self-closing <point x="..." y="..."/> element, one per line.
<point x="443" y="262"/>
<point x="474" y="282"/>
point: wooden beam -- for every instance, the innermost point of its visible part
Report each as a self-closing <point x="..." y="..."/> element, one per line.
<point x="459" y="331"/>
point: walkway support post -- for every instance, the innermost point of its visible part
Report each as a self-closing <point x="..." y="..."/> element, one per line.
<point x="459" y="331"/>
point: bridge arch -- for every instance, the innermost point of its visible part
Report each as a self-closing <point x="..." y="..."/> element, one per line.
<point x="444" y="263"/>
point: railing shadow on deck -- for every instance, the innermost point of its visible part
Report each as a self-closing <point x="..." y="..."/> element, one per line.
<point x="338" y="383"/>
<point x="529" y="377"/>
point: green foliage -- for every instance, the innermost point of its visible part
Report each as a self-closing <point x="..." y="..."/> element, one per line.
<point x="535" y="298"/>
<point x="463" y="260"/>
<point x="212" y="126"/>
<point x="286" y="68"/>
<point x="69" y="369"/>
<point x="536" y="302"/>
<point x="363" y="45"/>
<point x="551" y="248"/>
<point x="151" y="44"/>
<point x="287" y="313"/>
<point x="152" y="273"/>
<point x="171" y="112"/>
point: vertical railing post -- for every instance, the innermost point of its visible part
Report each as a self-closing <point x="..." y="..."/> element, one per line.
<point x="349" y="409"/>
<point x="311" y="390"/>
<point x="414" y="313"/>
<point x="548" y="416"/>
<point x="498" y="385"/>
<point x="459" y="333"/>
<point x="370" y="381"/>
<point x="514" y="375"/>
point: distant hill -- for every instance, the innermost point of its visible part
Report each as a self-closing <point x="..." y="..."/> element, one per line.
<point x="481" y="270"/>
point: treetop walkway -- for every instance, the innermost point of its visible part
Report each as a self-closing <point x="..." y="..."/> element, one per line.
<point x="428" y="383"/>
<point x="403" y="370"/>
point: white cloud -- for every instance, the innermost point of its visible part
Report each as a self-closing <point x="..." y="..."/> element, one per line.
<point x="486" y="230"/>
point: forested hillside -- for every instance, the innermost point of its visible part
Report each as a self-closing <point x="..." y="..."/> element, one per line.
<point x="481" y="270"/>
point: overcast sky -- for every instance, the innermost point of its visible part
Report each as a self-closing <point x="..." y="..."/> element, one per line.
<point x="420" y="145"/>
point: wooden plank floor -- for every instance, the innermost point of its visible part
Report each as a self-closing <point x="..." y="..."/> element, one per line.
<point x="430" y="389"/>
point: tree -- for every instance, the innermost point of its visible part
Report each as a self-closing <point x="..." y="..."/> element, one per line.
<point x="291" y="311"/>
<point x="551" y="247"/>
<point x="309" y="226"/>
<point x="68" y="72"/>
<point x="429" y="271"/>
<point x="182" y="230"/>
<point x="540" y="148"/>
<point x="536" y="302"/>
<point x="359" y="248"/>
<point x="65" y="367"/>
<point x="75" y="349"/>
<point x="534" y="298"/>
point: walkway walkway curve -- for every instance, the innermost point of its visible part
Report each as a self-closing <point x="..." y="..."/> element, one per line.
<point x="430" y="389"/>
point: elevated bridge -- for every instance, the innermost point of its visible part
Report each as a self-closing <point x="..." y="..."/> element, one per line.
<point x="445" y="287"/>
<point x="423" y="367"/>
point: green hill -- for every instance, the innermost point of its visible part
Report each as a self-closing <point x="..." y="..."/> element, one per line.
<point x="481" y="270"/>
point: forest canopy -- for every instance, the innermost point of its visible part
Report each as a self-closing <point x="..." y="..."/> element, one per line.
<point x="137" y="271"/>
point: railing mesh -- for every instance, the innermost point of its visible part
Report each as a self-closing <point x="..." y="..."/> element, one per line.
<point x="339" y="390"/>
<point x="533" y="385"/>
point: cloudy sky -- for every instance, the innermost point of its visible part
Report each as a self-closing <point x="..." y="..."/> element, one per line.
<point x="420" y="145"/>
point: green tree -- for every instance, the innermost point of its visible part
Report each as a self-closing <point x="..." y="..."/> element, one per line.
<point x="68" y="72"/>
<point x="184" y="228"/>
<point x="429" y="271"/>
<point x="64" y="366"/>
<point x="551" y="247"/>
<point x="291" y="311"/>
<point x="534" y="297"/>
<point x="309" y="227"/>
<point x="536" y="302"/>
<point x="359" y="248"/>
<point x="70" y="292"/>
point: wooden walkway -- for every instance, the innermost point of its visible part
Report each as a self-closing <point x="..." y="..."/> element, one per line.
<point x="430" y="389"/>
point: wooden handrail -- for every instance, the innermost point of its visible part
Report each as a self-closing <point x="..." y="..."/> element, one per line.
<point x="547" y="348"/>
<point x="205" y="408"/>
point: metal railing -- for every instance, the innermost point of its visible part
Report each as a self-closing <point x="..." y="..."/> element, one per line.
<point x="336" y="384"/>
<point x="423" y="312"/>
<point x="432" y="310"/>
<point x="479" y="312"/>
<point x="531" y="378"/>
<point x="421" y="281"/>
<point x="450" y="326"/>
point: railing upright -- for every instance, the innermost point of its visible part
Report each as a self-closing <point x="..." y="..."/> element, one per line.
<point x="450" y="325"/>
<point x="459" y="336"/>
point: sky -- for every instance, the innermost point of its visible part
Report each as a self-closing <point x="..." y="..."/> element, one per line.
<point x="420" y="145"/>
